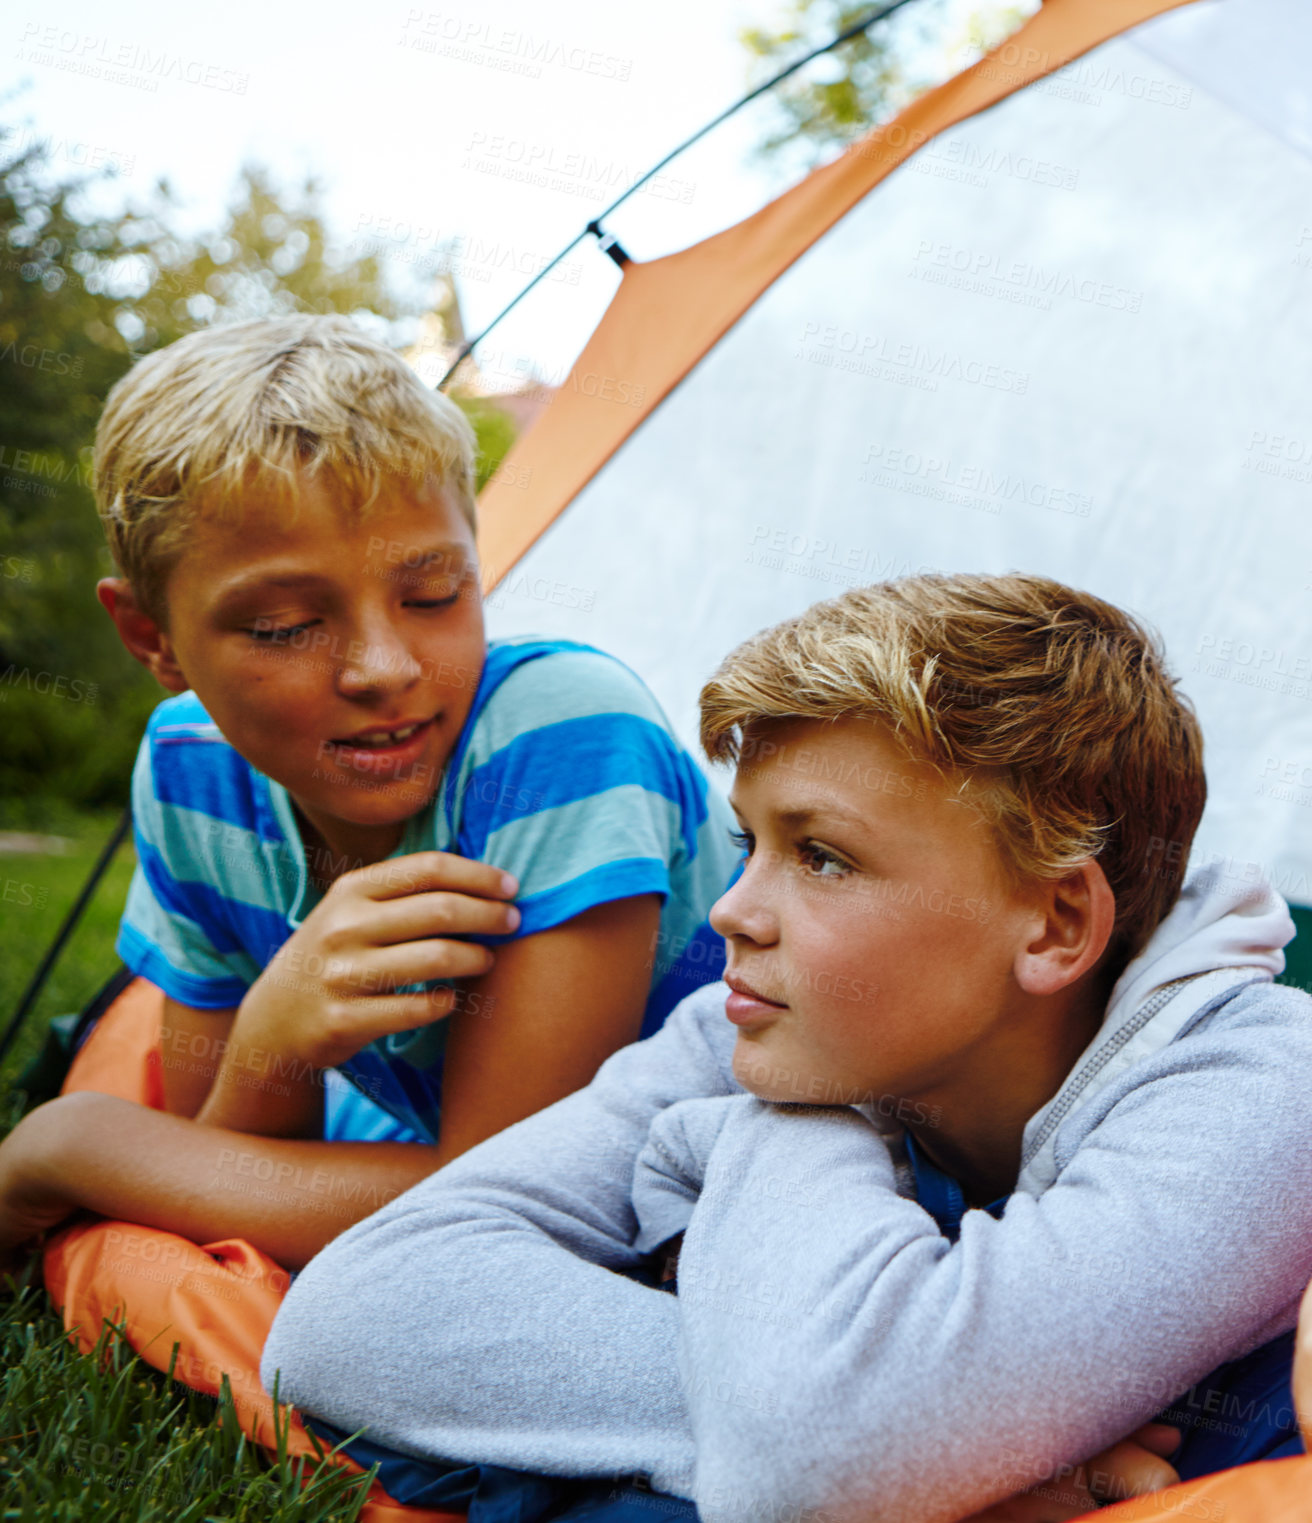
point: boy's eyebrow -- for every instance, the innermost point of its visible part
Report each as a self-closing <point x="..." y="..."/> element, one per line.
<point x="257" y="581"/>
<point x="803" y="816"/>
<point x="411" y="561"/>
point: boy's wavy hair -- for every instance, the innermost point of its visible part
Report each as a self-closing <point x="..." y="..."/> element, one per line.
<point x="1053" y="711"/>
<point x="250" y="407"/>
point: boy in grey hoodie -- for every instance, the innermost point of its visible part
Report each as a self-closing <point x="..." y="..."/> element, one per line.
<point x="991" y="1144"/>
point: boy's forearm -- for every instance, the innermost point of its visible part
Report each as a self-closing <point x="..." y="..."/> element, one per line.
<point x="287" y="1197"/>
<point x="462" y="1322"/>
<point x="262" y="1090"/>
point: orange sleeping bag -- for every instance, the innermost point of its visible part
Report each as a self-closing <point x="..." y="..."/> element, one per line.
<point x="218" y="1301"/>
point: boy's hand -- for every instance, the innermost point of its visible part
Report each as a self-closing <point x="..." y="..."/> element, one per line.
<point x="1131" y="1468"/>
<point x="329" y="990"/>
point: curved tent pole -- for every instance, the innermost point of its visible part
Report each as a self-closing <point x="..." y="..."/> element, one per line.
<point x="637" y="355"/>
<point x="606" y="240"/>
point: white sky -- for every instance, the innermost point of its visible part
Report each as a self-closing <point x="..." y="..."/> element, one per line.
<point x="415" y="146"/>
<point x="422" y="122"/>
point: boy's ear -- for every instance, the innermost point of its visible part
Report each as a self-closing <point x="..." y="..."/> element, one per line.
<point x="140" y="633"/>
<point x="1075" y="918"/>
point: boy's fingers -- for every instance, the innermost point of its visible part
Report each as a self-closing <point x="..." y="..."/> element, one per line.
<point x="1128" y="1469"/>
<point x="415" y="962"/>
<point x="421" y="917"/>
<point x="424" y="871"/>
<point x="375" y="1018"/>
<point x="1158" y="1438"/>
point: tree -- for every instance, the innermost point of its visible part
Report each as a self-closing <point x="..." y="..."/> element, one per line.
<point x="872" y="76"/>
<point x="80" y="297"/>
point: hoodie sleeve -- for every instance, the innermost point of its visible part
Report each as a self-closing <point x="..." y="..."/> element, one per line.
<point x="667" y="1178"/>
<point x="478" y="1317"/>
<point x="895" y="1375"/>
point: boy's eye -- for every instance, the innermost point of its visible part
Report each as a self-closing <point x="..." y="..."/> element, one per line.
<point x="743" y="840"/>
<point x="433" y="602"/>
<point x="267" y="634"/>
<point x="820" y="862"/>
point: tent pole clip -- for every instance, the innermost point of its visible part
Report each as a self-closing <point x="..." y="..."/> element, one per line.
<point x="609" y="244"/>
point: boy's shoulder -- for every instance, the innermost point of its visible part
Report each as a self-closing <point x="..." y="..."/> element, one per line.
<point x="186" y="764"/>
<point x="548" y="694"/>
<point x="534" y="679"/>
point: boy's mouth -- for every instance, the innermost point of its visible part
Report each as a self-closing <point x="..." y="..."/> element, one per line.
<point x="383" y="749"/>
<point x="745" y="1006"/>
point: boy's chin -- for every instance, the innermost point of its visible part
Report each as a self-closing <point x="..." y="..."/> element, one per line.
<point x="759" y="1074"/>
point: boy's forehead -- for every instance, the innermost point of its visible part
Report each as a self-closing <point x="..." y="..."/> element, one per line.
<point x="835" y="767"/>
<point x="270" y="540"/>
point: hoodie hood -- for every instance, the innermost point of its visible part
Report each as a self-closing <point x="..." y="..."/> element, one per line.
<point x="1221" y="935"/>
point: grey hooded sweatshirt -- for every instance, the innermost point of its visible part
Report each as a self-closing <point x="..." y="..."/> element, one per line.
<point x="830" y="1355"/>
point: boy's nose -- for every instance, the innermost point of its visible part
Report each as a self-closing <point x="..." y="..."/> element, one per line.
<point x="377" y="661"/>
<point x="743" y="910"/>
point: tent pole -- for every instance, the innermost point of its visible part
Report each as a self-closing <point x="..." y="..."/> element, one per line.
<point x="594" y="227"/>
<point x="65" y="931"/>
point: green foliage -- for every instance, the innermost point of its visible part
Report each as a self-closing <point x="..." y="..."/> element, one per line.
<point x="81" y="296"/>
<point x="872" y="76"/>
<point x="494" y="429"/>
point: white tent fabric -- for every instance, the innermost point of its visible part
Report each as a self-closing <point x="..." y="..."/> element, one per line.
<point x="1070" y="336"/>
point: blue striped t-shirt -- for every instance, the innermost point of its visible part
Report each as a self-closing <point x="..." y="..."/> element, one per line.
<point x="566" y="773"/>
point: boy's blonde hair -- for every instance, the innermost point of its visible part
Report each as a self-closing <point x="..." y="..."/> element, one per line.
<point x="1052" y="709"/>
<point x="249" y="406"/>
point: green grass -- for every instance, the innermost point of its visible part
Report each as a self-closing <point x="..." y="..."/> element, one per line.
<point x="104" y="1435"/>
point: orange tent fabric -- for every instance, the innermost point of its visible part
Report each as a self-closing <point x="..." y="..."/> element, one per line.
<point x="216" y="1301"/>
<point x="1271" y="1491"/>
<point x="669" y="312"/>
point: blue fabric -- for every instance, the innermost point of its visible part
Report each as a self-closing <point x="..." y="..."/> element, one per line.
<point x="1242" y="1411"/>
<point x="349" y="1116"/>
<point x="493" y="1494"/>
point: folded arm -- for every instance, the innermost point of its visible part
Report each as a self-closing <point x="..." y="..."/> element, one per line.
<point x="889" y="1374"/>
<point x="478" y="1317"/>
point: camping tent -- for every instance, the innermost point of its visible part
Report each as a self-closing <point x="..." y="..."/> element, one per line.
<point x="1066" y="334"/>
